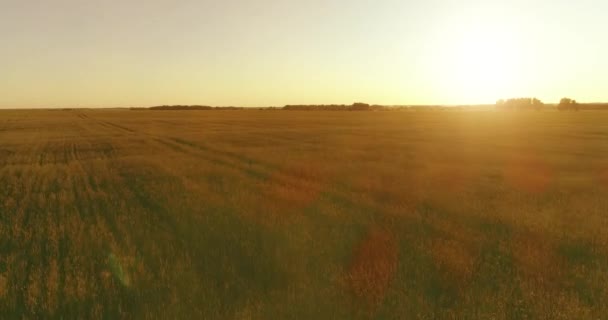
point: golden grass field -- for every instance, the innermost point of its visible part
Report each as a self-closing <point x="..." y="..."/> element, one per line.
<point x="303" y="215"/>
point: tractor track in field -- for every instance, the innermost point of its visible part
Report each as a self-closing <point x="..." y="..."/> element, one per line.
<point x="253" y="168"/>
<point x="153" y="213"/>
<point x="163" y="220"/>
<point x="43" y="217"/>
<point x="107" y="152"/>
<point x="250" y="166"/>
<point x="29" y="239"/>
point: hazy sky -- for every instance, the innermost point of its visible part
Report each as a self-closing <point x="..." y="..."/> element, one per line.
<point x="270" y="52"/>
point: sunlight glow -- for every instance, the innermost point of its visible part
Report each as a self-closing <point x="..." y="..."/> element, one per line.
<point x="480" y="63"/>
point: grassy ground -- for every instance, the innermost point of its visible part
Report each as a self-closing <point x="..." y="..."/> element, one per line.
<point x="303" y="215"/>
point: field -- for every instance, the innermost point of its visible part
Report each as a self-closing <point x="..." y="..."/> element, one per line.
<point x="303" y="215"/>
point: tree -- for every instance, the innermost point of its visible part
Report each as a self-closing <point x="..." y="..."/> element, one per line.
<point x="567" y="104"/>
<point x="536" y="104"/>
<point x="520" y="104"/>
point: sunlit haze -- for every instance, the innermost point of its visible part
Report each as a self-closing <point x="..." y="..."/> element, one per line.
<point x="268" y="52"/>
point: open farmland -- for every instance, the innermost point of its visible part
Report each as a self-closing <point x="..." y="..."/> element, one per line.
<point x="303" y="215"/>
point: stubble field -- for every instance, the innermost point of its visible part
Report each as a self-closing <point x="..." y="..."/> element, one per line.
<point x="303" y="215"/>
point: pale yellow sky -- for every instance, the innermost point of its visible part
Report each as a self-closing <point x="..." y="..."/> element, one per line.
<point x="269" y="52"/>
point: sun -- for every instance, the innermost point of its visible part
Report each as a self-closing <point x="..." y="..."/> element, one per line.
<point x="483" y="66"/>
<point x="478" y="64"/>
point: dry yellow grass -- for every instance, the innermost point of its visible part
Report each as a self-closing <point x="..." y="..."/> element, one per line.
<point x="373" y="266"/>
<point x="273" y="214"/>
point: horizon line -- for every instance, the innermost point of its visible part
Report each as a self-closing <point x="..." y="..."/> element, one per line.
<point x="275" y="106"/>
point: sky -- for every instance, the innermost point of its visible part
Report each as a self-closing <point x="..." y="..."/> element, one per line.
<point x="111" y="53"/>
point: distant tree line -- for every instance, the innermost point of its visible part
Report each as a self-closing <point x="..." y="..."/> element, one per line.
<point x="535" y="104"/>
<point x="520" y="104"/>
<point x="503" y="104"/>
<point x="193" y="107"/>
<point x="357" y="106"/>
